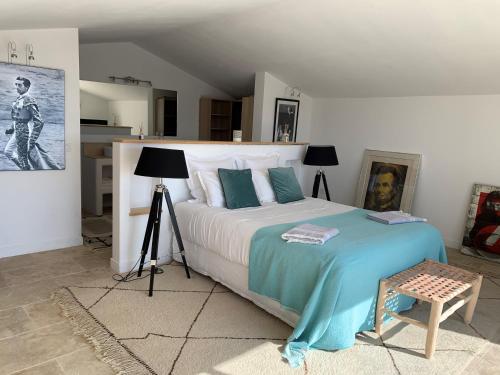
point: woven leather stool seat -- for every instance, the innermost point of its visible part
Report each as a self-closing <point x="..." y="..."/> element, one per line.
<point x="432" y="281"/>
<point x="436" y="283"/>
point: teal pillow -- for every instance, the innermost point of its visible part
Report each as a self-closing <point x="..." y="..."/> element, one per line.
<point x="285" y="185"/>
<point x="238" y="188"/>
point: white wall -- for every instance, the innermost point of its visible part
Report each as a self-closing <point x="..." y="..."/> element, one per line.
<point x="267" y="89"/>
<point x="40" y="210"/>
<point x="99" y="61"/>
<point x="132" y="113"/>
<point x="458" y="137"/>
<point x="93" y="107"/>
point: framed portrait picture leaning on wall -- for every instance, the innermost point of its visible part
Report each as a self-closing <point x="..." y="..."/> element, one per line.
<point x="387" y="181"/>
<point x="482" y="228"/>
<point x="31" y="118"/>
<point x="286" y="115"/>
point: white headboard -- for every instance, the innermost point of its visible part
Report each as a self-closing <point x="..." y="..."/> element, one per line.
<point x="132" y="193"/>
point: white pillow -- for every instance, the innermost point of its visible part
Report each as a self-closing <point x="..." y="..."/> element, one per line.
<point x="195" y="165"/>
<point x="259" y="165"/>
<point x="258" y="161"/>
<point x="210" y="182"/>
<point x="263" y="187"/>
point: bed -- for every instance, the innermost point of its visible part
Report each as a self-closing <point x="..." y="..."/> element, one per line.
<point x="222" y="243"/>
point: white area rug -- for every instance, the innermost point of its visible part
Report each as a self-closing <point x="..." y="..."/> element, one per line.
<point x="197" y="326"/>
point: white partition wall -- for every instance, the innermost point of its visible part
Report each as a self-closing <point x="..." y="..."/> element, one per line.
<point x="131" y="192"/>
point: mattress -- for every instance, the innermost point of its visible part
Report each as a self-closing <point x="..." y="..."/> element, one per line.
<point x="228" y="233"/>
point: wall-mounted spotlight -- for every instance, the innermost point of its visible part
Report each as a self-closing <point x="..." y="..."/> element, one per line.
<point x="294" y="92"/>
<point x="29" y="54"/>
<point x="12" y="52"/>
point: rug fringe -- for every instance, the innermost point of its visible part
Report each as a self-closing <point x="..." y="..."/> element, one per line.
<point x="107" y="348"/>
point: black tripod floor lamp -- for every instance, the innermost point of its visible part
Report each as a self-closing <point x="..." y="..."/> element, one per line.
<point x="321" y="156"/>
<point x="162" y="163"/>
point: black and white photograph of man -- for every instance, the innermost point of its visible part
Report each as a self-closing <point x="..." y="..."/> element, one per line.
<point x="31" y="118"/>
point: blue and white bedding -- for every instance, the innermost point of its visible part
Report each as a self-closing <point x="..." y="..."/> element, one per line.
<point x="229" y="232"/>
<point x="332" y="288"/>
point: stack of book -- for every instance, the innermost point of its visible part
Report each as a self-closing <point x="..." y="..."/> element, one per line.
<point x="394" y="217"/>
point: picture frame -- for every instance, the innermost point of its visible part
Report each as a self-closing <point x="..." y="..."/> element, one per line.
<point x="387" y="180"/>
<point x="286" y="115"/>
<point x="482" y="227"/>
<point x="32" y="118"/>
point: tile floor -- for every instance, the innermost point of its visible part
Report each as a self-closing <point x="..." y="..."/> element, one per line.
<point x="36" y="339"/>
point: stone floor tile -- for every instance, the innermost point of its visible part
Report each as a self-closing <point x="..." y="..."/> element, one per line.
<point x="37" y="272"/>
<point x="48" y="368"/>
<point x="3" y="282"/>
<point x="92" y="261"/>
<point x="25" y="294"/>
<point x="17" y="261"/>
<point x="38" y="346"/>
<point x="84" y="361"/>
<point x="14" y="321"/>
<point x="44" y="313"/>
<point x="67" y="253"/>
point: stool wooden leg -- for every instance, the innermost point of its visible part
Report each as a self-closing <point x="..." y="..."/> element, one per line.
<point x="471" y="306"/>
<point x="432" y="329"/>
<point x="379" y="317"/>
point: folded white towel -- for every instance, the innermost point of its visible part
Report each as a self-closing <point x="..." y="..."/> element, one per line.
<point x="310" y="234"/>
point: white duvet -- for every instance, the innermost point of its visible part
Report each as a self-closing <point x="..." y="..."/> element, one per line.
<point x="229" y="232"/>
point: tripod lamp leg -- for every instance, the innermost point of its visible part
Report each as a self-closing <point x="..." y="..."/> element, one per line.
<point x="326" y="186"/>
<point x="316" y="185"/>
<point x="176" y="231"/>
<point x="149" y="230"/>
<point x="154" y="246"/>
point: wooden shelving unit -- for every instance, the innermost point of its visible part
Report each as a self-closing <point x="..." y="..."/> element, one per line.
<point x="218" y="119"/>
<point x="215" y="119"/>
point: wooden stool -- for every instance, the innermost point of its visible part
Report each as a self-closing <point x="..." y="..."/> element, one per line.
<point x="433" y="282"/>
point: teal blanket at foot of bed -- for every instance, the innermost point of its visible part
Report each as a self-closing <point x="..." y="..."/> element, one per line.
<point x="333" y="288"/>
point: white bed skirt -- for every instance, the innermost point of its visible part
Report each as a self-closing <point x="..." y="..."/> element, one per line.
<point x="232" y="275"/>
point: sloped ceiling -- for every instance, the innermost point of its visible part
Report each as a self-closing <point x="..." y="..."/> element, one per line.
<point x="328" y="48"/>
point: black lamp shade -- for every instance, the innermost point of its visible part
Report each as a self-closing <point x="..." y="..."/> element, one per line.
<point x="162" y="162"/>
<point x="321" y="155"/>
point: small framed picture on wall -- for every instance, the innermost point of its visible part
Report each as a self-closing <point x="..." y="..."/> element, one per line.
<point x="286" y="115"/>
